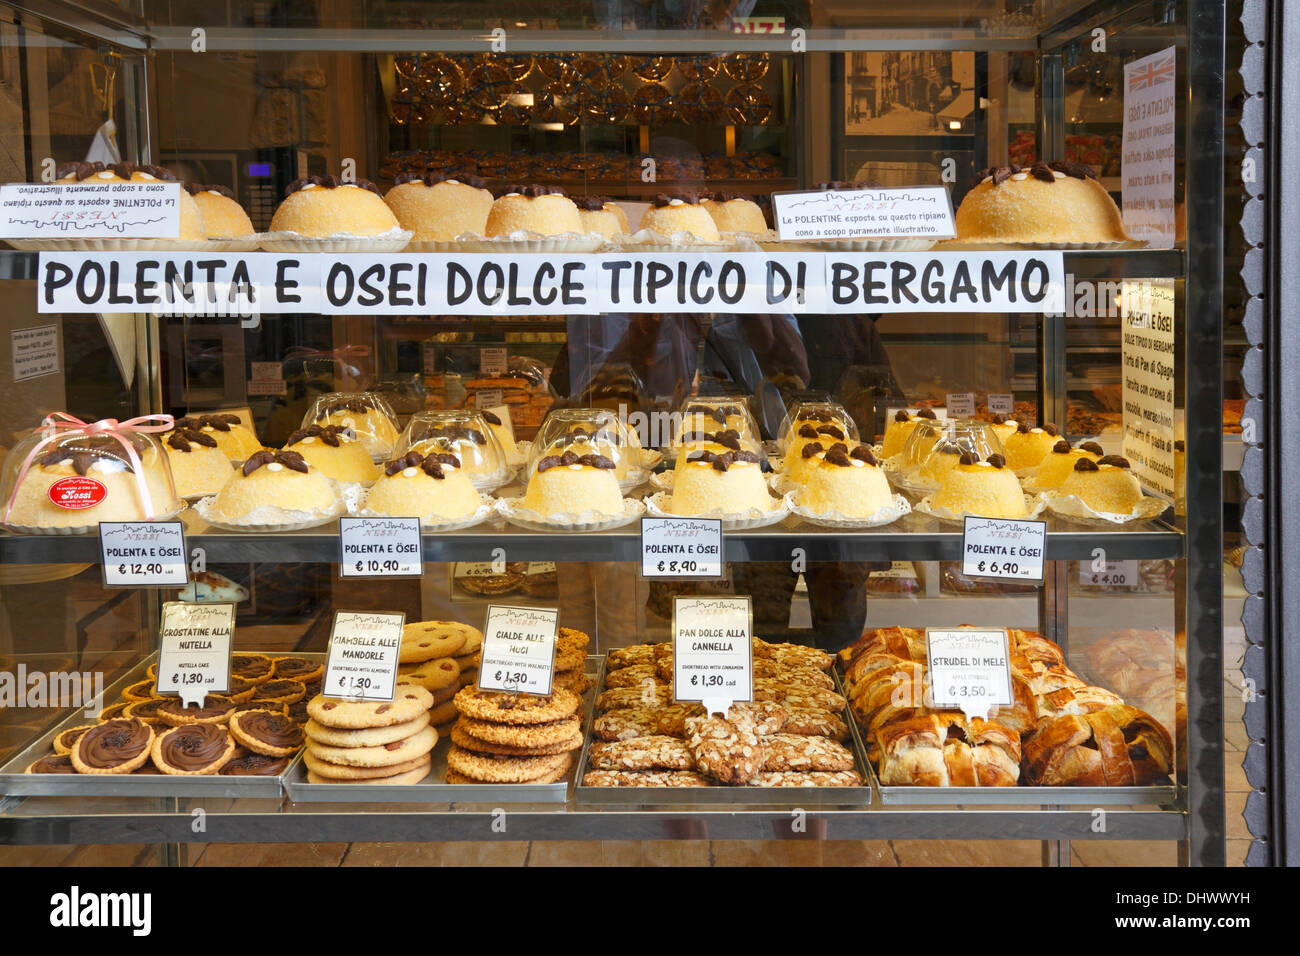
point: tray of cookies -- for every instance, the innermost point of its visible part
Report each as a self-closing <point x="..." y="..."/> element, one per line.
<point x="791" y="744"/>
<point x="144" y="744"/>
<point x="443" y="740"/>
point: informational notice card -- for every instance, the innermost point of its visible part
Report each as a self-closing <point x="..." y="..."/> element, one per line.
<point x="713" y="653"/>
<point x="519" y="649"/>
<point x="1150" y="94"/>
<point x="90" y="210"/>
<point x="923" y="212"/>
<point x="363" y="653"/>
<point x="194" y="649"/>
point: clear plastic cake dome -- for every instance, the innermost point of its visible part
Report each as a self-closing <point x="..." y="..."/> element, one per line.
<point x="591" y="431"/>
<point x="825" y="422"/>
<point x="700" y="417"/>
<point x="366" y="413"/>
<point x="66" y="481"/>
<point x="936" y="445"/>
<point x="464" y="433"/>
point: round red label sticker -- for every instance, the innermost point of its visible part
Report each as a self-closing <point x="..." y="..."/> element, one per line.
<point x="77" y="494"/>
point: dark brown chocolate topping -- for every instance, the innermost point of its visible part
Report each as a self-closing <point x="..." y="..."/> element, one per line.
<point x="71" y="736"/>
<point x="863" y="453"/>
<point x="902" y="416"/>
<point x="431" y="177"/>
<point x="1086" y="464"/>
<point x="122" y="170"/>
<point x="1073" y="169"/>
<point x="1022" y="428"/>
<point x="927" y="413"/>
<point x="581" y="434"/>
<point x="290" y="459"/>
<point x="590" y="203"/>
<point x="245" y="763"/>
<point x="1062" y="447"/>
<point x="195" y="188"/>
<point x="331" y="435"/>
<point x="54" y="763"/>
<point x="837" y="456"/>
<point x="1093" y="447"/>
<point x="663" y="199"/>
<point x="431" y="464"/>
<point x="327" y="182"/>
<point x="1117" y="460"/>
<point x="725" y="460"/>
<point x="997" y="461"/>
<point x="85" y="452"/>
<point x="999" y="419"/>
<point x="834" y="431"/>
<point x="845" y="185"/>
<point x="146" y="709"/>
<point x="569" y="458"/>
<point x="274" y="730"/>
<point x="967" y="458"/>
<point x="726" y="195"/>
<point x="460" y="432"/>
<point x="818" y="415"/>
<point x="1180" y="445"/>
<point x="1041" y="172"/>
<point x="214" y="705"/>
<point x="193" y="746"/>
<point x="273" y="689"/>
<point x="287" y="667"/>
<point x="217" y="421"/>
<point x="807" y="431"/>
<point x="1051" y="430"/>
<point x="531" y="191"/>
<point x="114" y="742"/>
<point x="249" y="665"/>
<point x="491" y="418"/>
<point x="358" y="406"/>
<point x="183" y="438"/>
<point x="810" y="449"/>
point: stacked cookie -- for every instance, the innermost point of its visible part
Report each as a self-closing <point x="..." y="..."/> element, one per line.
<point x="442" y="657"/>
<point x="571" y="660"/>
<point x="372" y="741"/>
<point x="789" y="736"/>
<point x="514" y="738"/>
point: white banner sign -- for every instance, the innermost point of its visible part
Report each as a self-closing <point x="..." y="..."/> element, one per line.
<point x="915" y="212"/>
<point x="235" y="284"/>
<point x="380" y="548"/>
<point x="1150" y="90"/>
<point x="90" y="210"/>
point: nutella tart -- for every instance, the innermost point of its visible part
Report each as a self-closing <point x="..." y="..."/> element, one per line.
<point x="280" y="691"/>
<point x="66" y="740"/>
<point x="115" y="746"/>
<point x="255" y="668"/>
<point x="274" y="735"/>
<point x="146" y="710"/>
<point x="53" y="763"/>
<point x="215" y="709"/>
<point x="193" y="750"/>
<point x="140" y="690"/>
<point x="245" y="763"/>
<point x="299" y="669"/>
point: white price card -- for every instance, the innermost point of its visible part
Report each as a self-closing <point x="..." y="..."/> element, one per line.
<point x="267" y="378"/>
<point x="35" y="352"/>
<point x="713" y="653"/>
<point x="519" y="649"/>
<point x="681" y="547"/>
<point x="1003" y="548"/>
<point x="970" y="669"/>
<point x="194" y="649"/>
<point x="961" y="404"/>
<point x="363" y="652"/>
<point x="492" y="361"/>
<point x="488" y="399"/>
<point x="1002" y="403"/>
<point x="143" y="554"/>
<point x="1113" y="574"/>
<point x="90" y="209"/>
<point x="380" y="548"/>
<point x="915" y="212"/>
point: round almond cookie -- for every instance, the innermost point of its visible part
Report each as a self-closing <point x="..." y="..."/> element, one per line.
<point x="397" y="779"/>
<point x="430" y="640"/>
<point x="516" y="735"/>
<point x="465" y="742"/>
<point x="297" y="668"/>
<point x="409" y="702"/>
<point x="367" y="737"/>
<point x="257" y="668"/>
<point x="115" y="746"/>
<point x="263" y="732"/>
<point x="385" y="755"/>
<point x="492" y="768"/>
<point x="340" y="773"/>
<point x="65" y="741"/>
<point x="434" y="675"/>
<point x="503" y="708"/>
<point x="193" y="750"/>
<point x="215" y="709"/>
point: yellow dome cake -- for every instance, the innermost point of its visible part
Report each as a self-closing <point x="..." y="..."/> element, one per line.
<point x="275" y="479"/>
<point x="1058" y="465"/>
<point x="570" y="484"/>
<point x="941" y="461"/>
<point x="437" y="207"/>
<point x="223" y="217"/>
<point x="677" y="214"/>
<point x="545" y="210"/>
<point x="597" y="214"/>
<point x="851" y="484"/>
<point x="735" y="212"/>
<point x="1105" y="485"/>
<point x="731" y="483"/>
<point x="1029" y="446"/>
<point x="505" y="436"/>
<point x="811" y="430"/>
<point x="320" y="206"/>
<point x="702" y="416"/>
<point x="480" y="459"/>
<point x="1057" y="202"/>
<point x="898" y="431"/>
<point x="87" y="479"/>
<point x="335" y="450"/>
<point x="985" y="488"/>
<point x="191" y="218"/>
<point x="424" y="486"/>
<point x="600" y="441"/>
<point x="1004" y="427"/>
<point x="363" y="413"/>
<point x="199" y="466"/>
<point x="235" y="441"/>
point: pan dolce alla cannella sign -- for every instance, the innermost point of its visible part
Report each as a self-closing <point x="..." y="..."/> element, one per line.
<point x="530" y="284"/>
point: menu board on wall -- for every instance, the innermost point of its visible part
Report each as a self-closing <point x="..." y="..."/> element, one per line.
<point x="1147" y="317"/>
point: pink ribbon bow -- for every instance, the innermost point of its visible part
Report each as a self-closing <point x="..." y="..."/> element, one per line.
<point x="60" y="423"/>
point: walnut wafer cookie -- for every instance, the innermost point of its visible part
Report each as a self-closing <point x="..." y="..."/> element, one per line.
<point x="505" y="708"/>
<point x="463" y="740"/>
<point x="494" y="768"/>
<point x="522" y="735"/>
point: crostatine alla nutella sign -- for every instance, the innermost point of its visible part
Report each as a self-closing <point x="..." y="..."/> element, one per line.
<point x="530" y="284"/>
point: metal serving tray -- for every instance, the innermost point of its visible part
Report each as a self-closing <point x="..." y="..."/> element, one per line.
<point x="14" y="782"/>
<point x="433" y="788"/>
<point x="728" y="795"/>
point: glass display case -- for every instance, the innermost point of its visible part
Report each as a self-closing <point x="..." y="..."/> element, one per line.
<point x="746" y="381"/>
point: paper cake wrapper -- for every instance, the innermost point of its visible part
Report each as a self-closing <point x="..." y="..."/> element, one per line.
<point x="657" y="506"/>
<point x="514" y="512"/>
<point x="1073" y="508"/>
